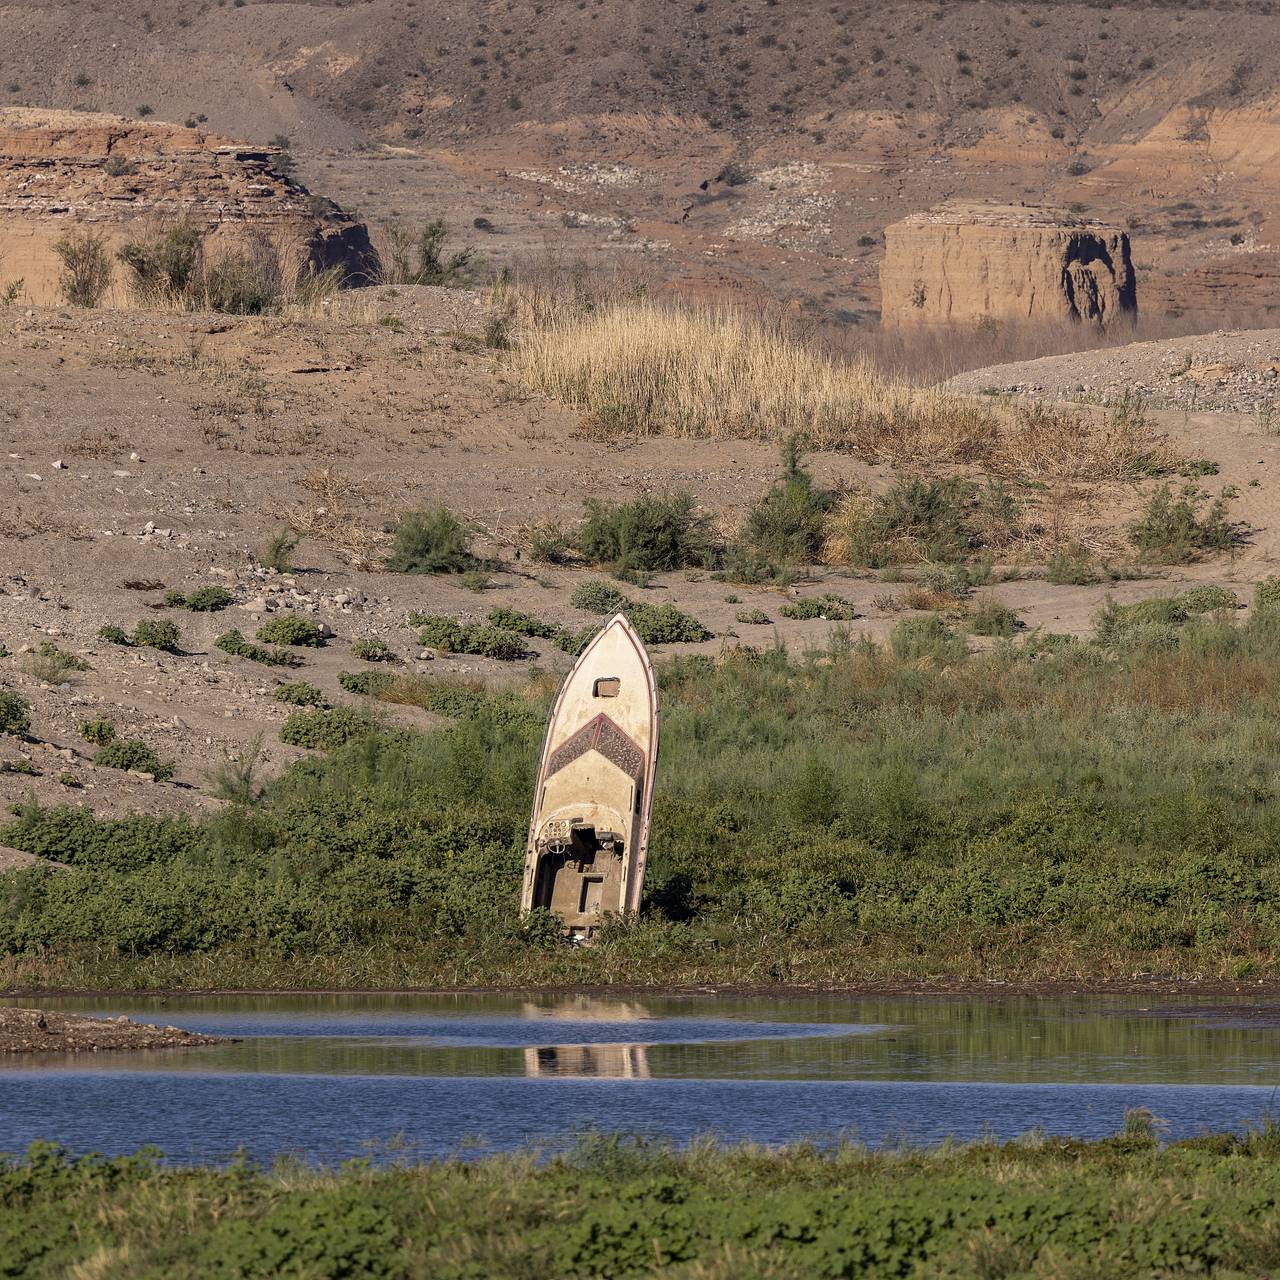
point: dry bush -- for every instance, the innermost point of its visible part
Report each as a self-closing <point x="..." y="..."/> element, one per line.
<point x="331" y="518"/>
<point x="642" y="368"/>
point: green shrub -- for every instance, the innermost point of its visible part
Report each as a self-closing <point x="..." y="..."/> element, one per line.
<point x="595" y="595"/>
<point x="652" y="533"/>
<point x="86" y="267"/>
<point x="439" y="632"/>
<point x="371" y="649"/>
<point x="665" y="624"/>
<point x="369" y="683"/>
<point x="785" y="527"/>
<point x="1070" y="565"/>
<point x="493" y="642"/>
<point x="291" y="630"/>
<point x="98" y="732"/>
<point x="927" y="640"/>
<point x="299" y="694"/>
<point x="234" y="643"/>
<point x="523" y="624"/>
<point x="133" y="753"/>
<point x="326" y="730"/>
<point x="157" y="633"/>
<point x="481" y="639"/>
<point x="431" y="541"/>
<point x="114" y="634"/>
<point x="1172" y="531"/>
<point x="1266" y="596"/>
<point x="1208" y="599"/>
<point x="753" y="617"/>
<point x="957" y="580"/>
<point x="15" y="714"/>
<point x="1156" y="622"/>
<point x="209" y="599"/>
<point x="832" y="608"/>
<point x="992" y="618"/>
<point x="175" y="600"/>
<point x="548" y="544"/>
<point x="279" y="551"/>
<point x="53" y="665"/>
<point x="573" y="642"/>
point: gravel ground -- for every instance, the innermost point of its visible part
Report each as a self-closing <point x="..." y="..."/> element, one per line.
<point x="34" y="1031"/>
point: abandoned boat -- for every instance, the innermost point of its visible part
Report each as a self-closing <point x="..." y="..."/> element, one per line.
<point x="590" y="829"/>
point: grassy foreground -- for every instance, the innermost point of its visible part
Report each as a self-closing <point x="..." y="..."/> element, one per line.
<point x="1054" y="809"/>
<point x="1121" y="1207"/>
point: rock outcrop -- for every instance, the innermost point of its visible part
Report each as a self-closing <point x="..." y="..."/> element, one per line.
<point x="62" y="170"/>
<point x="963" y="264"/>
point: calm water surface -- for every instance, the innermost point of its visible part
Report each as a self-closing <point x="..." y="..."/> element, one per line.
<point x="331" y="1076"/>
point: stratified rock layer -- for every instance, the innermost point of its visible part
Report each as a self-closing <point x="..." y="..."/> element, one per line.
<point x="62" y="170"/>
<point x="965" y="264"/>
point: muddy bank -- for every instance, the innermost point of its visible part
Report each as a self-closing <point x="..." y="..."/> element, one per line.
<point x="35" y="1031"/>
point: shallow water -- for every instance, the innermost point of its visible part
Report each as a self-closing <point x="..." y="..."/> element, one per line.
<point x="329" y="1076"/>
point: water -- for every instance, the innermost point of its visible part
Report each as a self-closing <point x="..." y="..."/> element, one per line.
<point x="327" y="1077"/>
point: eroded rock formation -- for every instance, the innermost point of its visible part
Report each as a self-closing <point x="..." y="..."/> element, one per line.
<point x="62" y="170"/>
<point x="963" y="264"/>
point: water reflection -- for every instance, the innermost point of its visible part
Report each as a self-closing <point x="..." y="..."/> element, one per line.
<point x="602" y="1061"/>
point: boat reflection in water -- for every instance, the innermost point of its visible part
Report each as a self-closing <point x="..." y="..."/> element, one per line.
<point x="603" y="1061"/>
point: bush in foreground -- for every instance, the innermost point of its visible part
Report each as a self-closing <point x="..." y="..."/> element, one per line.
<point x="431" y="541"/>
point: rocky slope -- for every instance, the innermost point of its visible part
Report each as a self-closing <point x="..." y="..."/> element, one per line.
<point x="60" y="170"/>
<point x="974" y="264"/>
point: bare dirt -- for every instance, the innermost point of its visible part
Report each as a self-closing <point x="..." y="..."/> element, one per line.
<point x="35" y="1031"/>
<point x="141" y="452"/>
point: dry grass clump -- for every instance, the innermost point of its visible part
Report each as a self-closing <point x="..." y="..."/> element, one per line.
<point x="331" y="517"/>
<point x="638" y="367"/>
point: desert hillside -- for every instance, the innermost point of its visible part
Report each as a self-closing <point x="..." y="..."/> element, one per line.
<point x="746" y="150"/>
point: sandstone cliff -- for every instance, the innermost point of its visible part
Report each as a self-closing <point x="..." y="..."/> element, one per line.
<point x="67" y="169"/>
<point x="963" y="264"/>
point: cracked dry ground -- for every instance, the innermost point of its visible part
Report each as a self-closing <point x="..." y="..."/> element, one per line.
<point x="141" y="452"/>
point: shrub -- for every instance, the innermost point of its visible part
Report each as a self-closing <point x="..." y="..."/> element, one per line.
<point x="927" y="640"/>
<point x="417" y="257"/>
<point x="754" y="617"/>
<point x="992" y="618"/>
<point x="114" y="634"/>
<point x="369" y="683"/>
<point x="234" y="643"/>
<point x="431" y="541"/>
<point x="548" y="544"/>
<point x="15" y="714"/>
<point x="54" y="665"/>
<point x="371" y="649"/>
<point x="209" y="599"/>
<point x="832" y="608"/>
<point x="438" y="632"/>
<point x="244" y="281"/>
<point x="652" y="533"/>
<point x="299" y="694"/>
<point x="785" y="526"/>
<point x="98" y="732"/>
<point x="86" y="267"/>
<point x="278" y="553"/>
<point x="665" y="624"/>
<point x="326" y="730"/>
<point x="1172" y="531"/>
<point x="595" y="595"/>
<point x="1208" y="599"/>
<point x="573" y="642"/>
<point x="165" y="267"/>
<point x="482" y="639"/>
<point x="157" y="633"/>
<point x="133" y="753"/>
<point x="522" y="624"/>
<point x="1266" y="596"/>
<point x="292" y="630"/>
<point x="1070" y="565"/>
<point x="174" y="600"/>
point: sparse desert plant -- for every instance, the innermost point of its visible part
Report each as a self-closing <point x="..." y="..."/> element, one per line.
<point x="114" y="634"/>
<point x="15" y="714"/>
<point x="993" y="618"/>
<point x="98" y="732"/>
<point x="927" y="640"/>
<point x="482" y="639"/>
<point x="157" y="633"/>
<point x="475" y="580"/>
<point x="299" y="693"/>
<point x="832" y="608"/>
<point x="785" y="526"/>
<point x="326" y="730"/>
<point x="86" y="267"/>
<point x="595" y="595"/>
<point x="53" y="665"/>
<point x="523" y="624"/>
<point x="134" y="754"/>
<point x="165" y="265"/>
<point x="665" y="624"/>
<point x="549" y="544"/>
<point x="234" y="643"/>
<point x="431" y="541"/>
<point x="753" y="617"/>
<point x="369" y="683"/>
<point x="235" y="779"/>
<point x="278" y="553"/>
<point x="291" y="630"/>
<point x="245" y="280"/>
<point x="1070" y="565"/>
<point x="209" y="599"/>
<point x="373" y="649"/>
<point x="1171" y="529"/>
<point x="1266" y="596"/>
<point x="418" y="257"/>
<point x="651" y="533"/>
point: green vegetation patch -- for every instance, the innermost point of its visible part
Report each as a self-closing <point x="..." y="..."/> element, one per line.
<point x="652" y="533"/>
<point x="148" y="633"/>
<point x="15" y="714"/>
<point x="201" y="600"/>
<point x="234" y="643"/>
<point x="368" y="683"/>
<point x="133" y="753"/>
<point x="431" y="541"/>
<point x="480" y="638"/>
<point x="292" y="630"/>
<point x="831" y="607"/>
<point x="326" y="729"/>
<point x="299" y="693"/>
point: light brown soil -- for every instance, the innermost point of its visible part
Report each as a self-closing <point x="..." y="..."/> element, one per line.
<point x="184" y="441"/>
<point x="34" y="1031"/>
